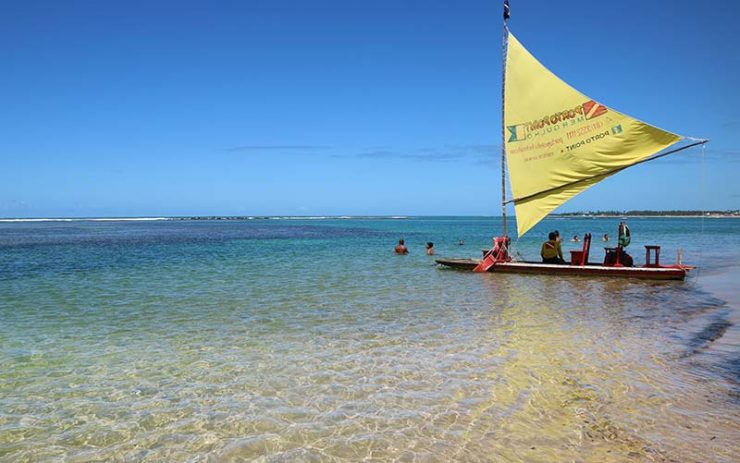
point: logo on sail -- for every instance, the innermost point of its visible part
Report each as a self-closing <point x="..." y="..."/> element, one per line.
<point x="585" y="111"/>
<point x="517" y="132"/>
<point x="593" y="109"/>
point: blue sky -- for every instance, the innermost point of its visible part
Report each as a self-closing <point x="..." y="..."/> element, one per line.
<point x="341" y="107"/>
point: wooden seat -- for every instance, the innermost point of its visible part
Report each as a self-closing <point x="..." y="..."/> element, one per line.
<point x="648" y="250"/>
<point x="613" y="257"/>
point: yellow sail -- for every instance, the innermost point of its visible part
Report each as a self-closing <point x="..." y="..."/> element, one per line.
<point x="560" y="142"/>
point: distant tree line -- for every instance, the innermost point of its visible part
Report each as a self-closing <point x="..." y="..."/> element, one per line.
<point x="672" y="213"/>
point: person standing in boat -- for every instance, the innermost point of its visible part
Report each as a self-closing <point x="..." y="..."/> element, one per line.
<point x="551" y="252"/>
<point x="623" y="240"/>
<point x="401" y="248"/>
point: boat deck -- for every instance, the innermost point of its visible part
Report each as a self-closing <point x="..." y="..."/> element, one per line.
<point x="648" y="273"/>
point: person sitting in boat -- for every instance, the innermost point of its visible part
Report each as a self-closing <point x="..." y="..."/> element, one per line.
<point x="401" y="248"/>
<point x="551" y="251"/>
<point x="430" y="248"/>
<point x="500" y="249"/>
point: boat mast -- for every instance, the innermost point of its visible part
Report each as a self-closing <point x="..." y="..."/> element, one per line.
<point x="503" y="126"/>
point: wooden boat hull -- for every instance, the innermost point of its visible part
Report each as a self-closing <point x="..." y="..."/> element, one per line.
<point x="645" y="273"/>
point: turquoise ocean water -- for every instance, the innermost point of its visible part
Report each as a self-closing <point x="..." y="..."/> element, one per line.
<point x="308" y="340"/>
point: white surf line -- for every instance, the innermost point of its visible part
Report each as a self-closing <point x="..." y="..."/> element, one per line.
<point x="92" y="219"/>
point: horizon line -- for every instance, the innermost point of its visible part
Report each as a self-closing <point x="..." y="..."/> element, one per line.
<point x="578" y="214"/>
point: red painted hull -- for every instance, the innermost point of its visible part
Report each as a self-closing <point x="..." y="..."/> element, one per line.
<point x="645" y="273"/>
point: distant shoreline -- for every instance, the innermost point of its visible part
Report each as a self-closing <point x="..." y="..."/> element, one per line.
<point x="650" y="213"/>
<point x="199" y="218"/>
<point x="636" y="216"/>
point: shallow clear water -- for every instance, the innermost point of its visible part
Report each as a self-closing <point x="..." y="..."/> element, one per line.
<point x="308" y="340"/>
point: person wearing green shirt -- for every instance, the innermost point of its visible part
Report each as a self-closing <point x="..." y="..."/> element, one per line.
<point x="551" y="251"/>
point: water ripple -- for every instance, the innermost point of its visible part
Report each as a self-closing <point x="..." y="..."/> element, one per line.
<point x="304" y="350"/>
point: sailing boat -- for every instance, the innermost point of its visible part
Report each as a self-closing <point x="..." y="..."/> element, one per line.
<point x="557" y="143"/>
